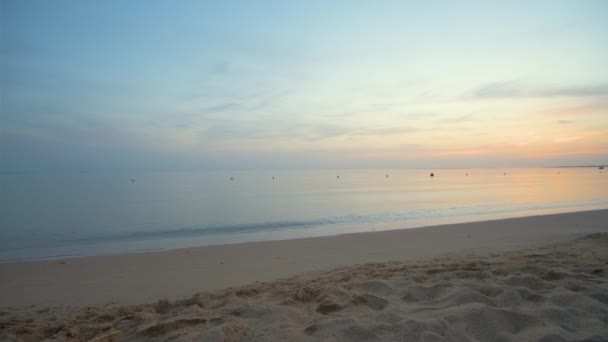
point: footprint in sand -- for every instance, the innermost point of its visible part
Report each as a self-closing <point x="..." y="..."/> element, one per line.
<point x="371" y="301"/>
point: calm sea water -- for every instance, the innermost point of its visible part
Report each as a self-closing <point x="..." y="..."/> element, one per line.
<point x="50" y="215"/>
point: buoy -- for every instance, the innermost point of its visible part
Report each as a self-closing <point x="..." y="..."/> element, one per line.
<point x="337" y="177"/>
<point x="231" y="178"/>
<point x="386" y="176"/>
<point x="272" y="177"/>
<point x="432" y="174"/>
<point x="132" y="180"/>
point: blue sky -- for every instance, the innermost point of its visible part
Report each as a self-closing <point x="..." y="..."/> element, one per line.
<point x="286" y="84"/>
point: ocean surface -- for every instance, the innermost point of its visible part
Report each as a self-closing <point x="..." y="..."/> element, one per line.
<point x="56" y="215"/>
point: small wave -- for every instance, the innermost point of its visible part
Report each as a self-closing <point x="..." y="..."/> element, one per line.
<point x="352" y="219"/>
<point x="46" y="257"/>
<point x="211" y="230"/>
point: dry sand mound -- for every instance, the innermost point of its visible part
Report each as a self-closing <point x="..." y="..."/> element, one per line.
<point x="556" y="293"/>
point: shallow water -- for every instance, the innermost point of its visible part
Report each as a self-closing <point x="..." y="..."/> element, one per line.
<point x="49" y="215"/>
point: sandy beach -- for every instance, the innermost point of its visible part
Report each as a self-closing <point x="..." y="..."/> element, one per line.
<point x="532" y="278"/>
<point x="303" y="171"/>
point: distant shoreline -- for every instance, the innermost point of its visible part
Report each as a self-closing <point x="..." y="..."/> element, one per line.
<point x="577" y="166"/>
<point x="85" y="171"/>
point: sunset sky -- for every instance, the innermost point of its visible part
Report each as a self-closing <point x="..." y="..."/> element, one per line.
<point x="302" y="84"/>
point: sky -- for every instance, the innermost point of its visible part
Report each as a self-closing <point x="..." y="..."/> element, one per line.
<point x="183" y="85"/>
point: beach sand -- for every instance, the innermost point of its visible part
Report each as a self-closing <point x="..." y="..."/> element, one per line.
<point x="534" y="278"/>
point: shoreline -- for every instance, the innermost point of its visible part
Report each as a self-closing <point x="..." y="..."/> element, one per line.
<point x="145" y="277"/>
<point x="343" y="229"/>
<point x="552" y="292"/>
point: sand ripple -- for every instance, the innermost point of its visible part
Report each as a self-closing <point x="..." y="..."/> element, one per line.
<point x="555" y="293"/>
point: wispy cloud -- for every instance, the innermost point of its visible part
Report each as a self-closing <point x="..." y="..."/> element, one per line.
<point x="281" y="130"/>
<point x="459" y="119"/>
<point x="514" y="89"/>
<point x="560" y="140"/>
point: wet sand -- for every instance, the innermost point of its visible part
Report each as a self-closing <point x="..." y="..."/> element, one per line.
<point x="542" y="277"/>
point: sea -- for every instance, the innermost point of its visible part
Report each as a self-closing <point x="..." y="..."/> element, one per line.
<point x="50" y="215"/>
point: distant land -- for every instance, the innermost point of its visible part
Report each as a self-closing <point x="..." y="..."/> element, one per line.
<point x="578" y="166"/>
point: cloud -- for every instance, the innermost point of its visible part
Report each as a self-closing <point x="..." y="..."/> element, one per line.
<point x="219" y="103"/>
<point x="223" y="107"/>
<point x="459" y="119"/>
<point x="513" y="89"/>
<point x="281" y="130"/>
<point x="560" y="140"/>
